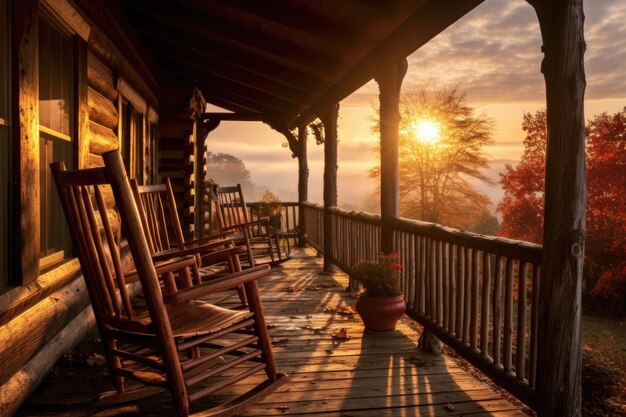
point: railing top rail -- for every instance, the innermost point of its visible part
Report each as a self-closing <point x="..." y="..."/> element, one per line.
<point x="282" y="203"/>
<point x="524" y="251"/>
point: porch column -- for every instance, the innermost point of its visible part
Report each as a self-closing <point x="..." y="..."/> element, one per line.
<point x="203" y="202"/>
<point x="328" y="116"/>
<point x="560" y="355"/>
<point x="303" y="180"/>
<point x="389" y="79"/>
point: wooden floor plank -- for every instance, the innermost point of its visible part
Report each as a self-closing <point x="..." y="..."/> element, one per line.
<point x="364" y="375"/>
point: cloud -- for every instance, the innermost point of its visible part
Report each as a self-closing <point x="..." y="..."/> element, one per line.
<point x="494" y="53"/>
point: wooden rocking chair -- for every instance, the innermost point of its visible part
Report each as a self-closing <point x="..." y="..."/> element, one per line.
<point x="233" y="217"/>
<point x="172" y="341"/>
<point x="156" y="204"/>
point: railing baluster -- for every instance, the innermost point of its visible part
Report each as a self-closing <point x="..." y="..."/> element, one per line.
<point x="534" y="326"/>
<point x="508" y="317"/>
<point x="446" y="285"/>
<point x="520" y="370"/>
<point x="467" y="309"/>
<point x="453" y="288"/>
<point x="474" y="301"/>
<point x="460" y="285"/>
<point x="497" y="313"/>
<point x="439" y="281"/>
<point x="484" y="314"/>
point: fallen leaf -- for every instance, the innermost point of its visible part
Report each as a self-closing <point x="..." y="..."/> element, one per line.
<point x="418" y="361"/>
<point x="450" y="407"/>
<point x="312" y="288"/>
<point x="342" y="334"/>
<point x="96" y="360"/>
<point x="346" y="310"/>
<point x="282" y="408"/>
<point x="280" y="342"/>
<point x="330" y="310"/>
<point x="292" y="289"/>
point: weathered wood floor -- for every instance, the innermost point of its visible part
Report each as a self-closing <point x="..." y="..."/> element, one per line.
<point x="331" y="373"/>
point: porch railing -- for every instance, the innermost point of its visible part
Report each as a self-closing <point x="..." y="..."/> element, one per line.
<point x="478" y="294"/>
<point x="289" y="216"/>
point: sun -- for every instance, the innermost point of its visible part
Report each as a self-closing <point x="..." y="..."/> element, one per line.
<point x="427" y="131"/>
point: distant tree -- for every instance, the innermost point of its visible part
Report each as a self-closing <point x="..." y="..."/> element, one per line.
<point x="523" y="204"/>
<point x="226" y="169"/>
<point x="441" y="147"/>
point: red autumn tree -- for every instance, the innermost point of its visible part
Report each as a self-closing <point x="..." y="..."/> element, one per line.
<point x="522" y="206"/>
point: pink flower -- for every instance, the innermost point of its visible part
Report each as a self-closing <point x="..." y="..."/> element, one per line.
<point x="395" y="265"/>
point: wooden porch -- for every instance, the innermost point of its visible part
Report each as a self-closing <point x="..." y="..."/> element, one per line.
<point x="371" y="374"/>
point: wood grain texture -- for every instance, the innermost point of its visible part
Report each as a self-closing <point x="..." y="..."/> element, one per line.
<point x="389" y="78"/>
<point x="365" y="374"/>
<point x="329" y="116"/>
<point x="560" y="357"/>
<point x="25" y="240"/>
<point x="101" y="139"/>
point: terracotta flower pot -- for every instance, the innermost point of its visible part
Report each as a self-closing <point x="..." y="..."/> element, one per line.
<point x="380" y="313"/>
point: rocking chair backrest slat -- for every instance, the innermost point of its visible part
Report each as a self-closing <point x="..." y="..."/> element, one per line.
<point x="76" y="190"/>
<point x="231" y="207"/>
<point x="156" y="200"/>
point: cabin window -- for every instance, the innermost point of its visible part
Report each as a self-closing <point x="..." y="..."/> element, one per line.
<point x="153" y="132"/>
<point x="56" y="142"/>
<point x="4" y="142"/>
<point x="132" y="140"/>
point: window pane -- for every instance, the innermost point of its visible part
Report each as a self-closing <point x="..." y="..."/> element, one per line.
<point x="4" y="143"/>
<point x="4" y="63"/>
<point x="54" y="233"/>
<point x="4" y="215"/>
<point x="55" y="78"/>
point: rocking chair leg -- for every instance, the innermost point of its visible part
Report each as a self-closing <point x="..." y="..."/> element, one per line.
<point x="252" y="292"/>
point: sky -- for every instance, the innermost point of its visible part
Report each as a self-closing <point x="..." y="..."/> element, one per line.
<point x="493" y="54"/>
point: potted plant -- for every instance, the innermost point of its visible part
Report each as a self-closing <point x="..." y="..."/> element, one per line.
<point x="381" y="304"/>
<point x="271" y="208"/>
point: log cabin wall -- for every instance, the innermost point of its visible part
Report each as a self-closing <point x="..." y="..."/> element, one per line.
<point x="44" y="308"/>
<point x="177" y="145"/>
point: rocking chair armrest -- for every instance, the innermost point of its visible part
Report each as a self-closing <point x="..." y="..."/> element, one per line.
<point x="216" y="285"/>
<point x="165" y="267"/>
<point x="175" y="252"/>
<point x="258" y="222"/>
<point x="222" y="255"/>
<point x="209" y="239"/>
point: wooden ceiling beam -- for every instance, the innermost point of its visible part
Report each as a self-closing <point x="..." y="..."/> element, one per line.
<point x="237" y="41"/>
<point x="250" y="94"/>
<point x="318" y="34"/>
<point x="238" y="117"/>
<point x="424" y="24"/>
<point x="189" y="57"/>
<point x="223" y="61"/>
<point x="174" y="61"/>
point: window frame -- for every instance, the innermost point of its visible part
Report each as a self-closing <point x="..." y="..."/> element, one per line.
<point x="5" y="140"/>
<point x="49" y="258"/>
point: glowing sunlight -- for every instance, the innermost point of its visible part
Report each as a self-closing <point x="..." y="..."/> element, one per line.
<point x="427" y="131"/>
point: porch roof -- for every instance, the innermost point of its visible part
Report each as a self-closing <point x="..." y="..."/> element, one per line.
<point x="284" y="59"/>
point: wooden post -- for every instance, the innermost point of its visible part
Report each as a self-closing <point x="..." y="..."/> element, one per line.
<point x="197" y="106"/>
<point x="389" y="79"/>
<point x="560" y="355"/>
<point x="25" y="231"/>
<point x="328" y="116"/>
<point x="303" y="180"/>
<point x="205" y="127"/>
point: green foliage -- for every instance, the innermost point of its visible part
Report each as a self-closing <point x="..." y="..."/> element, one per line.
<point x="317" y="128"/>
<point x="380" y="278"/>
